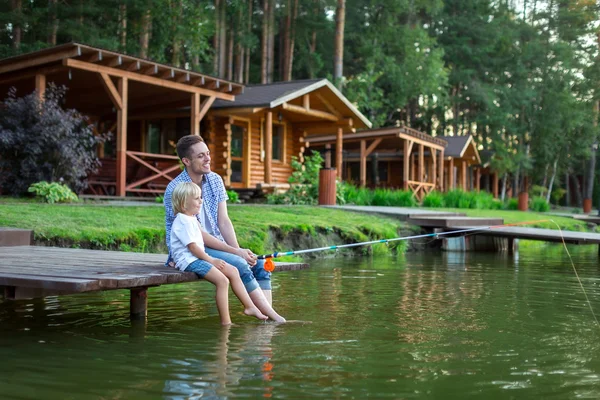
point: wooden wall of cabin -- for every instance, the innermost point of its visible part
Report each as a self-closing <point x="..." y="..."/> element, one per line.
<point x="281" y="170"/>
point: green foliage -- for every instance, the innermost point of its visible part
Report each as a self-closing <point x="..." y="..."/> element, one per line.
<point x="557" y="195"/>
<point x="304" y="182"/>
<point x="234" y="197"/>
<point x="539" y="204"/>
<point x="378" y="197"/>
<point x="159" y="199"/>
<point x="434" y="200"/>
<point x="40" y="141"/>
<point x="53" y="192"/>
<point x="512" y="204"/>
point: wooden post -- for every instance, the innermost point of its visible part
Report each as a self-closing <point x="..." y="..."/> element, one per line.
<point x="195" y="114"/>
<point x="122" y="138"/>
<point x="421" y="163"/>
<point x="433" y="166"/>
<point x="451" y="174"/>
<point x="327" y="156"/>
<point x="138" y="303"/>
<point x="268" y="146"/>
<point x="40" y="86"/>
<point x="405" y="172"/>
<point x="463" y="176"/>
<point x="441" y="171"/>
<point x="338" y="152"/>
<point x="477" y="179"/>
<point x="363" y="163"/>
<point x="495" y="185"/>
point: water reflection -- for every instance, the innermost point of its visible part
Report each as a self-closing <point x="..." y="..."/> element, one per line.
<point x="219" y="377"/>
<point x="445" y="325"/>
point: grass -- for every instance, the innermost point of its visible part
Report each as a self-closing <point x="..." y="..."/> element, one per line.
<point x="141" y="228"/>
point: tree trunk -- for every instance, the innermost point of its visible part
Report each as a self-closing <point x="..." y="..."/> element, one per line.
<point x="549" y="192"/>
<point x="239" y="50"/>
<point x="176" y="46"/>
<point x="338" y="58"/>
<point x="517" y="188"/>
<point x="145" y="32"/>
<point x="292" y="43"/>
<point x="589" y="192"/>
<point x="577" y="189"/>
<point x="123" y="26"/>
<point x="52" y="22"/>
<point x="17" y="8"/>
<point x="223" y="39"/>
<point x="271" y="57"/>
<point x="567" y="190"/>
<point x="264" y="64"/>
<point x="247" y="51"/>
<point x="286" y="41"/>
<point x="230" y="54"/>
<point x="504" y="178"/>
<point x="216" y="40"/>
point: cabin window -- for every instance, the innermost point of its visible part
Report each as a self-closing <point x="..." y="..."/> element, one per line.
<point x="237" y="153"/>
<point x="277" y="144"/>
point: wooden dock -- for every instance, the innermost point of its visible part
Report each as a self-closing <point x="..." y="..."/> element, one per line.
<point x="37" y="271"/>
<point x="546" y="235"/>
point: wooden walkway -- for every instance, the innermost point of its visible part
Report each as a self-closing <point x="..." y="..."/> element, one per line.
<point x="546" y="235"/>
<point x="36" y="271"/>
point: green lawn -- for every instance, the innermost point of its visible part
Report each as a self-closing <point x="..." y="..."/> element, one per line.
<point x="511" y="217"/>
<point x="259" y="227"/>
<point x="141" y="228"/>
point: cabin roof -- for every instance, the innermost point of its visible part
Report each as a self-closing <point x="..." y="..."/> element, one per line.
<point x="272" y="95"/>
<point x="461" y="147"/>
<point x="80" y="56"/>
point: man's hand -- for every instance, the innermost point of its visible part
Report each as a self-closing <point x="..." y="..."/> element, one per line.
<point x="218" y="264"/>
<point x="247" y="255"/>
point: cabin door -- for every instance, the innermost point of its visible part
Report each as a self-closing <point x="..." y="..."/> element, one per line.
<point x="239" y="137"/>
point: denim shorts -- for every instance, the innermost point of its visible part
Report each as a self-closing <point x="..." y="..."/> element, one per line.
<point x="200" y="267"/>
<point x="252" y="277"/>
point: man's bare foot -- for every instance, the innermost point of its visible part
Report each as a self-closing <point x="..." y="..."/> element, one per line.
<point x="255" y="312"/>
<point x="278" y="318"/>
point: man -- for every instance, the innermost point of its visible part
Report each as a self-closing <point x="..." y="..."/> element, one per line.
<point x="218" y="233"/>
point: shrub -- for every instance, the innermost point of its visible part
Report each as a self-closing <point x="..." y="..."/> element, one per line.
<point x="234" y="197"/>
<point x="512" y="204"/>
<point x="304" y="182"/>
<point x="539" y="204"/>
<point x="53" y="192"/>
<point x="434" y="200"/>
<point x="39" y="141"/>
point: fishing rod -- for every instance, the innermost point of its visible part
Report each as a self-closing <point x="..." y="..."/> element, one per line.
<point x="270" y="266"/>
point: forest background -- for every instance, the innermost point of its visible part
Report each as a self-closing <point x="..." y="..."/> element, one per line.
<point x="521" y="76"/>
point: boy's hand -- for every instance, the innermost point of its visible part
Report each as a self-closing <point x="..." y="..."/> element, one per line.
<point x="218" y="264"/>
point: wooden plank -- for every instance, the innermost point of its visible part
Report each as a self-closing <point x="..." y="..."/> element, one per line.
<point x="55" y="283"/>
<point x="15" y="237"/>
<point x="39" y="60"/>
<point x="339" y="144"/>
<point x="363" y="163"/>
<point x="112" y="91"/>
<point x="309" y="112"/>
<point x="121" y="177"/>
<point x="268" y="146"/>
<point x="134" y="76"/>
<point x="456" y="221"/>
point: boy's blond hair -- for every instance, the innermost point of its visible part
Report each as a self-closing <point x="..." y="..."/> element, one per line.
<point x="181" y="193"/>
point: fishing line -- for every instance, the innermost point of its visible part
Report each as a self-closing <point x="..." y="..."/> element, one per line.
<point x="576" y="274"/>
<point x="270" y="266"/>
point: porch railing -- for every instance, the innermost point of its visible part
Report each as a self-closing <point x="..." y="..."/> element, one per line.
<point x="420" y="189"/>
<point x="157" y="182"/>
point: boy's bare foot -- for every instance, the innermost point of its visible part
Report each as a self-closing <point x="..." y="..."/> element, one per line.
<point x="255" y="312"/>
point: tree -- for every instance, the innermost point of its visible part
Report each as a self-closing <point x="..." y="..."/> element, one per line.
<point x="40" y="141"/>
<point x="338" y="55"/>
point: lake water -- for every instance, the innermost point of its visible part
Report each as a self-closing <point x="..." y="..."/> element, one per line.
<point x="439" y="325"/>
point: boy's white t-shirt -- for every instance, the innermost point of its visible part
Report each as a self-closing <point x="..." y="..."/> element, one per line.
<point x="185" y="230"/>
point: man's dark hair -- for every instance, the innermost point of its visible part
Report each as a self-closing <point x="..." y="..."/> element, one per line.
<point x="185" y="144"/>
